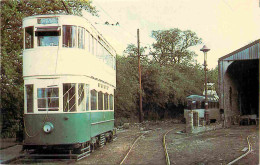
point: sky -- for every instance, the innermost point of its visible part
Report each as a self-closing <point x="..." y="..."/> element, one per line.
<point x="223" y="25"/>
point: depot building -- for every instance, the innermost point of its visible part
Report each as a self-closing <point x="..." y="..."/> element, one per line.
<point x="239" y="83"/>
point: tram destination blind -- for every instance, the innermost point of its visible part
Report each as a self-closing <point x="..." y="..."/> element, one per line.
<point x="53" y="20"/>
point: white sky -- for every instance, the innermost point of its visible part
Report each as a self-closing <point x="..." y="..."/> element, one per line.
<point x="223" y="25"/>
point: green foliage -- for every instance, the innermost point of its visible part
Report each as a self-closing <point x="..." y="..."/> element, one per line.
<point x="167" y="78"/>
<point x="126" y="94"/>
<point x="172" y="45"/>
<point x="12" y="13"/>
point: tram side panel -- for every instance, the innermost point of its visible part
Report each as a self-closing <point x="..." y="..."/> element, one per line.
<point x="101" y="122"/>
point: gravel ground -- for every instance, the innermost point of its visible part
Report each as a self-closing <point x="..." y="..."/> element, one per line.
<point x="213" y="147"/>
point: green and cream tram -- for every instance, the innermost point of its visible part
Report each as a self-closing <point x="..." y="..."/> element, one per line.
<point x="69" y="72"/>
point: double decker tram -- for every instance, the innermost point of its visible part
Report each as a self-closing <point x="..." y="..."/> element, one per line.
<point x="69" y="72"/>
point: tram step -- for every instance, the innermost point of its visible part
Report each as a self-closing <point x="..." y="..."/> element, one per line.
<point x="86" y="149"/>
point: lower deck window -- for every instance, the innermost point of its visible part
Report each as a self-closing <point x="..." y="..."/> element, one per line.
<point x="93" y="98"/>
<point x="48" y="99"/>
<point x="29" y="97"/>
<point x="106" y="101"/>
<point x="69" y="97"/>
<point x="87" y="97"/>
<point x="100" y="101"/>
<point x="81" y="95"/>
<point x="111" y="102"/>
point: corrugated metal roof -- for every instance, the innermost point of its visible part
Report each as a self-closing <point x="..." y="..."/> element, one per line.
<point x="250" y="51"/>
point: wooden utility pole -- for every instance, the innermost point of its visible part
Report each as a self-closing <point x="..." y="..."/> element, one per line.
<point x="140" y="79"/>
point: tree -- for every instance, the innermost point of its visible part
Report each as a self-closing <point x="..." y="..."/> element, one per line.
<point x="165" y="87"/>
<point x="172" y="45"/>
<point x="12" y="13"/>
<point x="127" y="91"/>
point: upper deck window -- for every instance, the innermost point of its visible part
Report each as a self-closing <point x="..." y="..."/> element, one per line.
<point x="81" y="38"/>
<point x="28" y="37"/>
<point x="69" y="36"/>
<point x="48" y="36"/>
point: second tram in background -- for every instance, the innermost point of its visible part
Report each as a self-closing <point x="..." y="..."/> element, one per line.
<point x="196" y="103"/>
<point x="69" y="72"/>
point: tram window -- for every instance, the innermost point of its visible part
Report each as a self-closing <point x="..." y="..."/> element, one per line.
<point x="100" y="101"/>
<point x="106" y="101"/>
<point x="29" y="97"/>
<point x="48" y="38"/>
<point x="111" y="102"/>
<point x="69" y="36"/>
<point x="48" y="99"/>
<point x="92" y="44"/>
<point x="193" y="104"/>
<point x="99" y="50"/>
<point x="203" y="105"/>
<point x="96" y="47"/>
<point x="114" y="62"/>
<point x="81" y="38"/>
<point x="88" y="40"/>
<point x="69" y="97"/>
<point x="188" y="105"/>
<point x="81" y="95"/>
<point x="93" y="96"/>
<point x="198" y="104"/>
<point x="28" y="37"/>
<point x="87" y="97"/>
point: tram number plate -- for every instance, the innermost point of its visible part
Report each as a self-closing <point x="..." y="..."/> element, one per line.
<point x="47" y="20"/>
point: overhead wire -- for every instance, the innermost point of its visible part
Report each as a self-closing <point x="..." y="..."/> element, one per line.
<point x="124" y="29"/>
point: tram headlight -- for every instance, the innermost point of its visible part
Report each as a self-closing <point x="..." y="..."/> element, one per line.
<point x="48" y="127"/>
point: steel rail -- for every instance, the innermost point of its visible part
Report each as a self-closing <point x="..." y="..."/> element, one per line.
<point x="131" y="148"/>
<point x="245" y="154"/>
<point x="165" y="148"/>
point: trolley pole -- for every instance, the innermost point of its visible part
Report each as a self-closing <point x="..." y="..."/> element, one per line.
<point x="205" y="49"/>
<point x="140" y="78"/>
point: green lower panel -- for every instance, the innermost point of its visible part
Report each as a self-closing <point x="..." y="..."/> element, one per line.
<point x="68" y="128"/>
<point x="101" y="122"/>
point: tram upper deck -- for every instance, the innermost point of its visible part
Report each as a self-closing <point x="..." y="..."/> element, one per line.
<point x="66" y="45"/>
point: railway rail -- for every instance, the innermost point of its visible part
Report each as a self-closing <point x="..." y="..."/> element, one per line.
<point x="164" y="144"/>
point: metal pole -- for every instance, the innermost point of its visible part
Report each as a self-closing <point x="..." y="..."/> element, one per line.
<point x="206" y="90"/>
<point x="140" y="78"/>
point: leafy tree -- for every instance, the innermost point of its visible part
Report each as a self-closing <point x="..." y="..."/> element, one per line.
<point x="127" y="91"/>
<point x="12" y="13"/>
<point x="172" y="45"/>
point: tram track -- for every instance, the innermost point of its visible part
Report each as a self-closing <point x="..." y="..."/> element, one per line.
<point x="162" y="142"/>
<point x="165" y="148"/>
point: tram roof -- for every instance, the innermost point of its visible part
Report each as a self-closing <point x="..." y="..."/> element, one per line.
<point x="196" y="97"/>
<point x="69" y="15"/>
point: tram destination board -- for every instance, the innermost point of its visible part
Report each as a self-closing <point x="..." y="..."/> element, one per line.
<point x="52" y="20"/>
